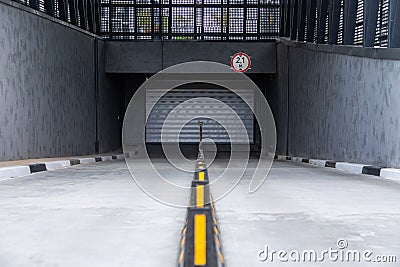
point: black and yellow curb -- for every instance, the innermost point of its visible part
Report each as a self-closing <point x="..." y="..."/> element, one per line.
<point x="200" y="243"/>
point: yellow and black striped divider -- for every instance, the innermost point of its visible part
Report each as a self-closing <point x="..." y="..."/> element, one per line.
<point x="200" y="242"/>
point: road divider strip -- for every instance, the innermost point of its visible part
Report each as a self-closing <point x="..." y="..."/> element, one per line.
<point x="200" y="243"/>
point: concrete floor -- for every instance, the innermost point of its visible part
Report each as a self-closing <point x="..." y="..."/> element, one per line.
<point x="302" y="207"/>
<point x="87" y="215"/>
<point x="94" y="215"/>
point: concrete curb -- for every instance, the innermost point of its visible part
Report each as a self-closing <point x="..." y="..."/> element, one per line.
<point x="317" y="162"/>
<point x="11" y="172"/>
<point x="356" y="168"/>
<point x="18" y="171"/>
<point x="392" y="174"/>
<point x="350" y="167"/>
<point x="87" y="160"/>
<point x="55" y="165"/>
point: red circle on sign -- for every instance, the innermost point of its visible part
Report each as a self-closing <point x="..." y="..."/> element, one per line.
<point x="240" y="54"/>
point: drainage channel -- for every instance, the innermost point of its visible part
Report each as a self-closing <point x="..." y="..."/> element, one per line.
<point x="200" y="242"/>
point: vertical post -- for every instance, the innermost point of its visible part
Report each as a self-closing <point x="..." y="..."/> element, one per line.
<point x="293" y="19"/>
<point x="97" y="18"/>
<point x="201" y="130"/>
<point x="349" y="21"/>
<point x="195" y="20"/>
<point x="34" y="4"/>
<point x="89" y="13"/>
<point x="394" y="24"/>
<point x="169" y="19"/>
<point x="371" y="8"/>
<point x="244" y="19"/>
<point x="227" y="19"/>
<point x="73" y="12"/>
<point x="311" y="19"/>
<point x="302" y="19"/>
<point x="152" y="19"/>
<point x="49" y="7"/>
<point x="82" y="13"/>
<point x="200" y="154"/>
<point x="259" y="20"/>
<point x="334" y="20"/>
<point x="287" y="18"/>
<point x="282" y="19"/>
<point x="160" y="21"/>
<point x="112" y="8"/>
<point x="322" y="7"/>
<point x="62" y="9"/>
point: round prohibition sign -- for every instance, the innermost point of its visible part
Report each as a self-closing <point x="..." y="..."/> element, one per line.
<point x="240" y="62"/>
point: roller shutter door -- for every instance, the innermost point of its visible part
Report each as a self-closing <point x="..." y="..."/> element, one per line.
<point x="190" y="132"/>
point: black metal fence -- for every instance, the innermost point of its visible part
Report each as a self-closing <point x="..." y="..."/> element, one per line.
<point x="82" y="13"/>
<point x="190" y="19"/>
<point x="348" y="22"/>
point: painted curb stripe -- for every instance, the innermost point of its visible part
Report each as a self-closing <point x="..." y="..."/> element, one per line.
<point x="38" y="167"/>
<point x="371" y="170"/>
<point x="19" y="170"/>
<point x="330" y="164"/>
<point x="365" y="169"/>
<point x="74" y="162"/>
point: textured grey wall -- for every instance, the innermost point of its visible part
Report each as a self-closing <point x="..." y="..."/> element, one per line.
<point x="47" y="104"/>
<point x="47" y="89"/>
<point x="151" y="57"/>
<point x="342" y="107"/>
<point x="110" y="106"/>
<point x="278" y="100"/>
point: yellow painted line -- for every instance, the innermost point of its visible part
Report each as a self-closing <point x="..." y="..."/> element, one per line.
<point x="200" y="196"/>
<point x="216" y="230"/>
<point x="221" y="258"/>
<point x="182" y="242"/>
<point x="218" y="242"/>
<point x="201" y="176"/>
<point x="200" y="239"/>
<point x="180" y="256"/>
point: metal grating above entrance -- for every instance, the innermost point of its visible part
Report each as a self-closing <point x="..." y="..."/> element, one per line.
<point x="221" y="20"/>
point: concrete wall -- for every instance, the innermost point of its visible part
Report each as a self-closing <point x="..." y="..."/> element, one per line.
<point x="277" y="96"/>
<point x="342" y="107"/>
<point x="151" y="57"/>
<point x="110" y="106"/>
<point x="47" y="87"/>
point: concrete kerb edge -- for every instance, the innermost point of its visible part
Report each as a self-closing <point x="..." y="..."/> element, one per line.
<point x="23" y="170"/>
<point x="391" y="174"/>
